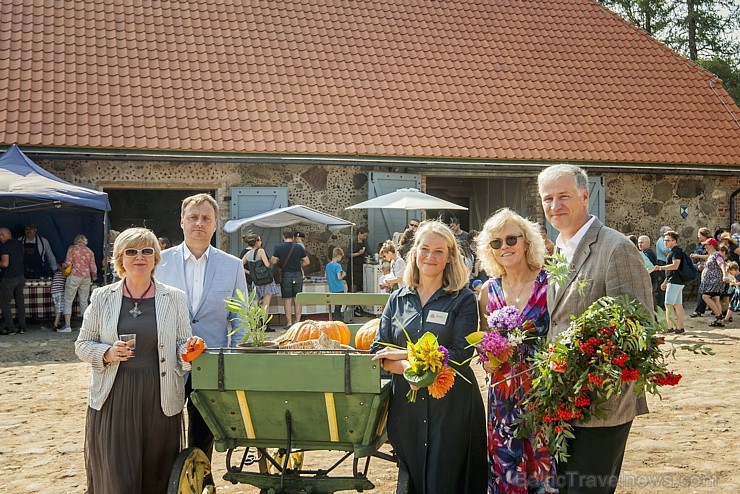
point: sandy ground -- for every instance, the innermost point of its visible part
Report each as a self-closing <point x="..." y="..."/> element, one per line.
<point x="689" y="443"/>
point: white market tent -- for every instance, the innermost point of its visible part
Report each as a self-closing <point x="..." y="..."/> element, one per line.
<point x="292" y="215"/>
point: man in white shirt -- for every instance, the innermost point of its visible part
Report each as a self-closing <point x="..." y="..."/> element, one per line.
<point x="208" y="276"/>
<point x="610" y="265"/>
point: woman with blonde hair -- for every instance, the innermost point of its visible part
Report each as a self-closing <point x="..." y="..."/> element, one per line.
<point x="512" y="251"/>
<point x="440" y="443"/>
<point x="79" y="281"/>
<point x="134" y="415"/>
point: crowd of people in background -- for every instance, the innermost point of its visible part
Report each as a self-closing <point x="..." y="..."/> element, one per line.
<point x="440" y="278"/>
<point x="714" y="259"/>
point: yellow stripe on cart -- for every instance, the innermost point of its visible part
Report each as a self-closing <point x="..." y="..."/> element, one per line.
<point x="331" y="415"/>
<point x="246" y="416"/>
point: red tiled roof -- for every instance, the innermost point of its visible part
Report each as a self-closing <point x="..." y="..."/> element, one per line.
<point x="472" y="79"/>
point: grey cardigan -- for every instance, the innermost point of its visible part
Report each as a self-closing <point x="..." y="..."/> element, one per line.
<point x="99" y="332"/>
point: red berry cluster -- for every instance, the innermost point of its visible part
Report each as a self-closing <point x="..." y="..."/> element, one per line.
<point x="630" y="375"/>
<point x="593" y="378"/>
<point x="590" y="346"/>
<point x="583" y="401"/>
<point x="608" y="331"/>
<point x="620" y="359"/>
<point x="668" y="379"/>
<point x="608" y="348"/>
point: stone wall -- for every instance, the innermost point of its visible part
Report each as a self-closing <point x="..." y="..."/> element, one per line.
<point x="641" y="204"/>
<point x="635" y="203"/>
<point x="326" y="188"/>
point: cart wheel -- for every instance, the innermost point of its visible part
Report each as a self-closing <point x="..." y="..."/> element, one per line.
<point x="189" y="472"/>
<point x="295" y="462"/>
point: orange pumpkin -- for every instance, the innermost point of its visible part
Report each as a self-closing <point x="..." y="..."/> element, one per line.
<point x="366" y="334"/>
<point x="336" y="330"/>
<point x="304" y="331"/>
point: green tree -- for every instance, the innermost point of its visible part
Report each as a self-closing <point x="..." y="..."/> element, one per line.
<point x="729" y="74"/>
<point x="701" y="30"/>
<point x="653" y="16"/>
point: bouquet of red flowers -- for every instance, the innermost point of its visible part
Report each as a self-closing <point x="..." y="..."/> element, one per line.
<point x="613" y="343"/>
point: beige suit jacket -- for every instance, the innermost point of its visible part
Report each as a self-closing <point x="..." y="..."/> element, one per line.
<point x="100" y="330"/>
<point x="612" y="266"/>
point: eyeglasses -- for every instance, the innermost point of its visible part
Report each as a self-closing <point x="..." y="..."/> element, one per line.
<point x="146" y="252"/>
<point x="511" y="240"/>
<point x="413" y="225"/>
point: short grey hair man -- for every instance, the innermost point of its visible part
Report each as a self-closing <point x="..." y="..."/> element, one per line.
<point x="555" y="172"/>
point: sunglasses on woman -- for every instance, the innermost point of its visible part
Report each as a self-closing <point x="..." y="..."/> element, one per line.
<point x="146" y="252"/>
<point x="511" y="241"/>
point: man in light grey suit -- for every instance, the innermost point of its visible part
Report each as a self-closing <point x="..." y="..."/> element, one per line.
<point x="207" y="275"/>
<point x="612" y="266"/>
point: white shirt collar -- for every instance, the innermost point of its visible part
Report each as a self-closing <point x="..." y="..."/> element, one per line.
<point x="568" y="247"/>
<point x="186" y="254"/>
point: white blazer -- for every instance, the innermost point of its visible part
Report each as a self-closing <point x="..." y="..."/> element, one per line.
<point x="100" y="330"/>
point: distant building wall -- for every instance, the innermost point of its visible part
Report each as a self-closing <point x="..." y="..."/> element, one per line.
<point x="635" y="203"/>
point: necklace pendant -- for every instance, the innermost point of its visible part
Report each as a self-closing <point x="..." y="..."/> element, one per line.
<point x="135" y="312"/>
<point x="516" y="300"/>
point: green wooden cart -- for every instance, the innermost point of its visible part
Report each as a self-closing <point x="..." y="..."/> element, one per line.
<point x="290" y="403"/>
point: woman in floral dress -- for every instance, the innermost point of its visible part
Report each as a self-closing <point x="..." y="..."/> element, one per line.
<point x="511" y="250"/>
<point x="712" y="281"/>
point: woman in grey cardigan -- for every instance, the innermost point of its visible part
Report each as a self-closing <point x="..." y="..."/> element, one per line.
<point x="134" y="419"/>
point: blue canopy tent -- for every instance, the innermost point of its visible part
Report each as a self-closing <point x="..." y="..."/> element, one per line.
<point x="60" y="210"/>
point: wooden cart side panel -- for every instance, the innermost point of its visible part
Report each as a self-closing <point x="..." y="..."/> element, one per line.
<point x="287" y="373"/>
<point x="353" y="415"/>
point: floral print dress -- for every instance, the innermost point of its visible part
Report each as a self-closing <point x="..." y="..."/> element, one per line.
<point x="711" y="277"/>
<point x="517" y="465"/>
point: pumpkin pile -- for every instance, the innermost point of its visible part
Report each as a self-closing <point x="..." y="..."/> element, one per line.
<point x="311" y="330"/>
<point x="336" y="330"/>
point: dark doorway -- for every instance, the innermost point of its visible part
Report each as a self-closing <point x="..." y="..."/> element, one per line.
<point x="156" y="209"/>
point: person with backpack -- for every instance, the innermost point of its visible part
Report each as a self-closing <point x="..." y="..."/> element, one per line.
<point x="673" y="284"/>
<point x="260" y="274"/>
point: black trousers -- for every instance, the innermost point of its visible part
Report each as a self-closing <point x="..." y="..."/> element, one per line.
<point x="659" y="294"/>
<point x="12" y="289"/>
<point x="199" y="435"/>
<point x="595" y="460"/>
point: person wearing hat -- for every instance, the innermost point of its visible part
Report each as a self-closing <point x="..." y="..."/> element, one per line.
<point x="733" y="249"/>
<point x="712" y="280"/>
<point x="38" y="259"/>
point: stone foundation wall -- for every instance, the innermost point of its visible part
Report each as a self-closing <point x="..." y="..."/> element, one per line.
<point x="635" y="203"/>
<point x="326" y="188"/>
<point x="641" y="204"/>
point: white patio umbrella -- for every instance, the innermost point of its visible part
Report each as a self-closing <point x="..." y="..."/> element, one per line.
<point x="404" y="199"/>
<point x="408" y="199"/>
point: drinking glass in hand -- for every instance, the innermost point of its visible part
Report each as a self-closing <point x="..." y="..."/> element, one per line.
<point x="130" y="341"/>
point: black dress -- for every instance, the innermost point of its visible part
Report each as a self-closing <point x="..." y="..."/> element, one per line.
<point x="440" y="442"/>
<point x="130" y="444"/>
